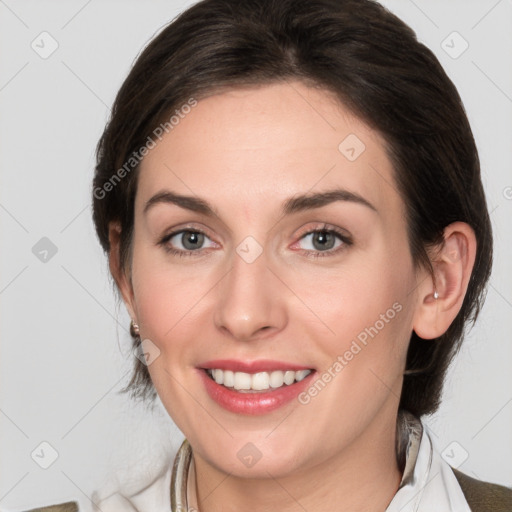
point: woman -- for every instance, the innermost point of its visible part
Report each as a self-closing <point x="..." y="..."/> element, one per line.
<point x="289" y="195"/>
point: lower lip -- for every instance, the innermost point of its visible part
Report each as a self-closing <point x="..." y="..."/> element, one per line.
<point x="259" y="402"/>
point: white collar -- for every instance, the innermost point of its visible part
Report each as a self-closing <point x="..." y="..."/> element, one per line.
<point x="428" y="482"/>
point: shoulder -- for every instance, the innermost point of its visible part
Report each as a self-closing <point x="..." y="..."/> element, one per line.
<point x="70" y="506"/>
<point x="484" y="496"/>
<point x="153" y="494"/>
<point x="113" y="503"/>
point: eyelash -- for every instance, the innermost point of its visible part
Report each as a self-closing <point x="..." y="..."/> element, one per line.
<point x="180" y="252"/>
<point x="347" y="241"/>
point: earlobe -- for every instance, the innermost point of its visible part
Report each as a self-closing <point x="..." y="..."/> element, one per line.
<point x="123" y="281"/>
<point x="452" y="263"/>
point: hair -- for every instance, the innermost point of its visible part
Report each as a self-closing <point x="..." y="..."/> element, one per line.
<point x="375" y="66"/>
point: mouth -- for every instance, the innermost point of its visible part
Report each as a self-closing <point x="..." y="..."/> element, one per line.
<point x="254" y="388"/>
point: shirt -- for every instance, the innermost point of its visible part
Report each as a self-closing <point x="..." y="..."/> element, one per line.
<point x="428" y="483"/>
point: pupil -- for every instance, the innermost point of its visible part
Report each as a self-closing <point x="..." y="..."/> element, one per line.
<point x="323" y="240"/>
<point x="192" y="240"/>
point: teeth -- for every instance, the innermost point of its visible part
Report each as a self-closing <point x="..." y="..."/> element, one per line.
<point x="242" y="380"/>
<point x="229" y="378"/>
<point x="218" y="376"/>
<point x="276" y="379"/>
<point x="261" y="381"/>
<point x="289" y="377"/>
<point x="301" y="375"/>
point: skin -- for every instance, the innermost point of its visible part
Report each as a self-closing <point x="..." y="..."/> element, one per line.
<point x="246" y="152"/>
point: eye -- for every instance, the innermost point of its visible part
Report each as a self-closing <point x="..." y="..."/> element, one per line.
<point x="186" y="241"/>
<point x="329" y="241"/>
<point x="321" y="241"/>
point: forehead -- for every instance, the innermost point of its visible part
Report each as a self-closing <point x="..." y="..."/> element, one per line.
<point x="255" y="147"/>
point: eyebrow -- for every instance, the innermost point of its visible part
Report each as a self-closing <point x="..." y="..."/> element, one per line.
<point x="191" y="203"/>
<point x="292" y="205"/>
<point x="319" y="199"/>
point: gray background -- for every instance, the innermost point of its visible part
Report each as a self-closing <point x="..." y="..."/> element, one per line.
<point x="65" y="346"/>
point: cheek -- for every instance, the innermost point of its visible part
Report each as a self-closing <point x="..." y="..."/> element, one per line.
<point x="365" y="314"/>
<point x="364" y="355"/>
<point x="169" y="314"/>
<point x="167" y="300"/>
<point x="349" y="300"/>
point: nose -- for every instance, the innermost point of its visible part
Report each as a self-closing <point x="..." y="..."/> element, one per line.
<point x="251" y="301"/>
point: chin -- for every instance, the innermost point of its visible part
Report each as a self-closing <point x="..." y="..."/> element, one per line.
<point x="245" y="458"/>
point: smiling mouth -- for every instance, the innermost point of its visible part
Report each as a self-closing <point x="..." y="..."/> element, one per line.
<point x="256" y="382"/>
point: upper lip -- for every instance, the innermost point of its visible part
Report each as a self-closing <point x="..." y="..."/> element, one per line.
<point x="261" y="365"/>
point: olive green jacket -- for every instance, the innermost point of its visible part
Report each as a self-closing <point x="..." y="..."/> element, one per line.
<point x="481" y="497"/>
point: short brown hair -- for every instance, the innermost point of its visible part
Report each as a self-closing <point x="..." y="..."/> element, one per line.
<point x="374" y="64"/>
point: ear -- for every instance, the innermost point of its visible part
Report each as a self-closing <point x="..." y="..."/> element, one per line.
<point x="452" y="264"/>
<point x="123" y="281"/>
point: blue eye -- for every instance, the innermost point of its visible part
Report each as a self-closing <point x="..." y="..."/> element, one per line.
<point x="324" y="242"/>
<point x="186" y="241"/>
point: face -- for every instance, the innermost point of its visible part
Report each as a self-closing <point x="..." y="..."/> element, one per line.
<point x="285" y="269"/>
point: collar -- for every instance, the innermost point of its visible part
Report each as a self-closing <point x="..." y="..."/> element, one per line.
<point x="428" y="483"/>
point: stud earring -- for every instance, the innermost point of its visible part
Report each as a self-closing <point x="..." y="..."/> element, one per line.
<point x="436" y="295"/>
<point x="134" y="329"/>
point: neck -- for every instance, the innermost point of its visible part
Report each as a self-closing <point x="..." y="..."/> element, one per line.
<point x="363" y="477"/>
